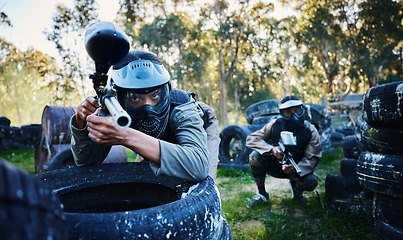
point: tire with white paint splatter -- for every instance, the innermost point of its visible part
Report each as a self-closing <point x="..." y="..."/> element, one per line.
<point x="340" y="187"/>
<point x="381" y="173"/>
<point x="386" y="231"/>
<point x="127" y="201"/>
<point x="380" y="139"/>
<point x="262" y="120"/>
<point x="388" y="217"/>
<point x="346" y="194"/>
<point x="352" y="147"/>
<point x="28" y="209"/>
<point x="262" y="108"/>
<point x="317" y="115"/>
<point x="383" y="105"/>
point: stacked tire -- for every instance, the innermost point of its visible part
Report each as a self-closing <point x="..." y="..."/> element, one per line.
<point x="380" y="165"/>
<point x="24" y="137"/>
<point x="344" y="190"/>
<point x="233" y="151"/>
<point x="128" y="201"/>
<point x="28" y="208"/>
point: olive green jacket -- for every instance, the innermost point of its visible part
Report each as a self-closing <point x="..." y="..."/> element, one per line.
<point x="188" y="159"/>
<point x="260" y="141"/>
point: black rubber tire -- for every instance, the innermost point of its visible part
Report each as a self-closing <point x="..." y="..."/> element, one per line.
<point x="346" y="194"/>
<point x="317" y="115"/>
<point x="4" y="121"/>
<point x="237" y="134"/>
<point x="267" y="107"/>
<point x="383" y="105"/>
<point x="28" y="209"/>
<point x="352" y="147"/>
<point x="389" y="210"/>
<point x="127" y="201"/>
<point x="32" y="134"/>
<point x="348" y="167"/>
<point x="314" y="113"/>
<point x="325" y="142"/>
<point x="381" y="173"/>
<point x="359" y="207"/>
<point x="61" y="160"/>
<point x="337" y="144"/>
<point x="65" y="159"/>
<point x="345" y="130"/>
<point x="339" y="187"/>
<point x="386" y="231"/>
<point x="379" y="139"/>
<point x="262" y="120"/>
<point x="337" y="137"/>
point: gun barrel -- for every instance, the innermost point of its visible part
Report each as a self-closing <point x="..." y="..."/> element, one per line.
<point x="297" y="169"/>
<point x="288" y="157"/>
<point x="119" y="115"/>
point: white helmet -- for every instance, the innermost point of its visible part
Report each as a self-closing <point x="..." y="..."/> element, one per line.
<point x="141" y="72"/>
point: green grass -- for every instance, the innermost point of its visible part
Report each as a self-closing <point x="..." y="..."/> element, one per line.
<point x="283" y="218"/>
<point x="280" y="219"/>
<point x="22" y="158"/>
<point x="25" y="159"/>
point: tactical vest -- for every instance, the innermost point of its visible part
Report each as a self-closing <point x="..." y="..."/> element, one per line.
<point x="178" y="97"/>
<point x="303" y="135"/>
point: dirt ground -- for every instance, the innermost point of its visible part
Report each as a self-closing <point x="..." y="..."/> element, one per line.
<point x="271" y="183"/>
<point x="274" y="186"/>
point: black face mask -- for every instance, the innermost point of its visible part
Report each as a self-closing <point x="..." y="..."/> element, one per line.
<point x="146" y="120"/>
<point x="294" y="122"/>
<point x="151" y="120"/>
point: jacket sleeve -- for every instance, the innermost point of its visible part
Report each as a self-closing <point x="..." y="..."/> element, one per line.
<point x="213" y="139"/>
<point x="85" y="151"/>
<point x="188" y="159"/>
<point x="259" y="140"/>
<point x="312" y="155"/>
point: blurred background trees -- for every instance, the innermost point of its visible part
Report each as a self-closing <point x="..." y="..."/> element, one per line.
<point x="230" y="53"/>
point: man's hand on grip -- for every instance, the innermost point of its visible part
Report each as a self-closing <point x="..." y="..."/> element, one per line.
<point x="86" y="108"/>
<point x="287" y="168"/>
<point x="277" y="153"/>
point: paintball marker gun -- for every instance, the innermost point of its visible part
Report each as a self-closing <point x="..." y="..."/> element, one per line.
<point x="288" y="139"/>
<point x="107" y="44"/>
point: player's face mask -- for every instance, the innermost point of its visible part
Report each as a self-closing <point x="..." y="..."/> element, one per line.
<point x="149" y="109"/>
<point x="293" y="117"/>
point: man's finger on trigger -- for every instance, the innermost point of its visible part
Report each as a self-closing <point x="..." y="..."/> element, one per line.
<point x="94" y="102"/>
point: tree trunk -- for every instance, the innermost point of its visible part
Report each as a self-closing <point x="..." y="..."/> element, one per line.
<point x="223" y="88"/>
<point x="236" y="103"/>
<point x="17" y="99"/>
<point x="401" y="61"/>
<point x="322" y="59"/>
<point x="373" y="81"/>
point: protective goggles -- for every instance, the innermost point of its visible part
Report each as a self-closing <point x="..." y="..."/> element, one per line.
<point x="288" y="112"/>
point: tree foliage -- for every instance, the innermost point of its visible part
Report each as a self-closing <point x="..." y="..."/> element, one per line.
<point x="67" y="33"/>
<point x="23" y="75"/>
<point x="235" y="53"/>
<point x="4" y="20"/>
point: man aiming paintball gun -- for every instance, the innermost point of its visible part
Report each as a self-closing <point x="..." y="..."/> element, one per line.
<point x="166" y="126"/>
<point x="286" y="147"/>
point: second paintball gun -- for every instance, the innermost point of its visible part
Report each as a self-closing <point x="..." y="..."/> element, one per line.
<point x="107" y="44"/>
<point x="287" y="139"/>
